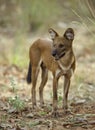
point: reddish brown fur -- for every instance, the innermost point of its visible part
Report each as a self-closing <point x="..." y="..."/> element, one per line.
<point x="47" y="54"/>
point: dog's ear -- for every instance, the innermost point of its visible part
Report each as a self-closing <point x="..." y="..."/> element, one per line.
<point x="53" y="33"/>
<point x="69" y="34"/>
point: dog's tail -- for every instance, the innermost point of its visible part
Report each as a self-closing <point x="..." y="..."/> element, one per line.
<point x="28" y="78"/>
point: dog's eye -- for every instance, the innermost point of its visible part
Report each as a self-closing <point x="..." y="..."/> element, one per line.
<point x="61" y="45"/>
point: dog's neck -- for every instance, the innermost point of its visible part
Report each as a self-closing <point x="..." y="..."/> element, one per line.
<point x="66" y="61"/>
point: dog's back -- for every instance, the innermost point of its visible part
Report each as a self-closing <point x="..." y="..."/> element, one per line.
<point x="41" y="51"/>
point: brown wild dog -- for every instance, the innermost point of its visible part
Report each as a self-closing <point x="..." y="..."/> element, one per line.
<point x="57" y="56"/>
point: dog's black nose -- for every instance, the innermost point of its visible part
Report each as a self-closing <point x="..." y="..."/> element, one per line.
<point x="54" y="52"/>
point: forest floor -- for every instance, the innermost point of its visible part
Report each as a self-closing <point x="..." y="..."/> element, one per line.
<point x="16" y="111"/>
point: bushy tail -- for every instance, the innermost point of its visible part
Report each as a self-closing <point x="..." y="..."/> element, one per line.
<point x="29" y="80"/>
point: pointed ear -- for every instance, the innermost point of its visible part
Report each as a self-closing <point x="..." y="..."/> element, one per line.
<point x="53" y="33"/>
<point x="69" y="34"/>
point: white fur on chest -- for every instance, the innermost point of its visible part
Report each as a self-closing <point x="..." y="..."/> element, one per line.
<point x="57" y="72"/>
<point x="64" y="69"/>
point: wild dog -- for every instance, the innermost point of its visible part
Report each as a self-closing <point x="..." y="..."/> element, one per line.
<point x="57" y="56"/>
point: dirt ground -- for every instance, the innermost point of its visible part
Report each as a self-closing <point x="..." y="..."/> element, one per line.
<point x="16" y="111"/>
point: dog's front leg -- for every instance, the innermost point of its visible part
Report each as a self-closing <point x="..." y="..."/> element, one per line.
<point x="66" y="90"/>
<point x="55" y="84"/>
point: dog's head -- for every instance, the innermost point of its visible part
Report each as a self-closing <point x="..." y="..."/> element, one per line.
<point x="61" y="44"/>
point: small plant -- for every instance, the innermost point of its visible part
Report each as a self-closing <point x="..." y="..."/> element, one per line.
<point x="17" y="103"/>
<point x="13" y="84"/>
<point x="35" y="123"/>
<point x="42" y="113"/>
<point x="60" y="98"/>
<point x="4" y="118"/>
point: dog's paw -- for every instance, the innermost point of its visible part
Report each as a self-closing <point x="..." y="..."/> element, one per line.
<point x="68" y="112"/>
<point x="42" y="105"/>
<point x="55" y="114"/>
<point x="34" y="106"/>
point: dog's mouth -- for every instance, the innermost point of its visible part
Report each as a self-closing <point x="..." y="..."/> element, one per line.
<point x="57" y="57"/>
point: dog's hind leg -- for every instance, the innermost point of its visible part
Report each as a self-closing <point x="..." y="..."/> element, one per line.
<point x="44" y="78"/>
<point x="34" y="81"/>
<point x="35" y="62"/>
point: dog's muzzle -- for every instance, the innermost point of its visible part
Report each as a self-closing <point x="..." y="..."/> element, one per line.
<point x="56" y="55"/>
<point x="54" y="52"/>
